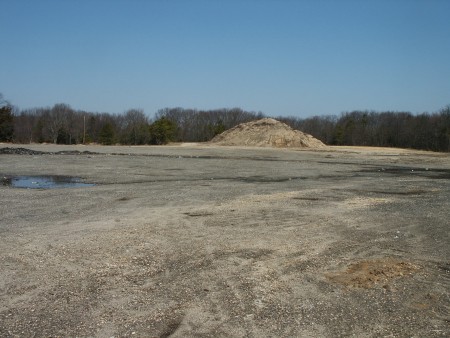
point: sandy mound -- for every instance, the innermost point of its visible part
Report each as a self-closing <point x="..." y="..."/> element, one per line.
<point x="266" y="133"/>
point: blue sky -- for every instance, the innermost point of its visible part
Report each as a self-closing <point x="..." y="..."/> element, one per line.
<point x="290" y="58"/>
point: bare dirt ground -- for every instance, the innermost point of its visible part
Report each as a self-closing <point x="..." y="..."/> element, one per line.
<point x="206" y="241"/>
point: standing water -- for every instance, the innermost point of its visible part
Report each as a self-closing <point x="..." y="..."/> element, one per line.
<point x="43" y="182"/>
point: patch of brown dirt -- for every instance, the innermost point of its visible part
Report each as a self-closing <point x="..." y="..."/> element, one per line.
<point x="266" y="132"/>
<point x="370" y="273"/>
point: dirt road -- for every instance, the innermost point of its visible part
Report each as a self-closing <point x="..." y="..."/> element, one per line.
<point x="203" y="241"/>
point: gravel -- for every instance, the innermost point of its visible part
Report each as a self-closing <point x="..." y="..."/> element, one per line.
<point x="206" y="241"/>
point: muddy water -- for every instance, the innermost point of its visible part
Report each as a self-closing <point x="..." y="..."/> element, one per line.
<point x="43" y="182"/>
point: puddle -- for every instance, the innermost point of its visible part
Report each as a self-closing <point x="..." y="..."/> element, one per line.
<point x="412" y="171"/>
<point x="266" y="179"/>
<point x="43" y="182"/>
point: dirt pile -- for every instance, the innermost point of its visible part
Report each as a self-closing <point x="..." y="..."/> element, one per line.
<point x="25" y="151"/>
<point x="19" y="151"/>
<point x="266" y="132"/>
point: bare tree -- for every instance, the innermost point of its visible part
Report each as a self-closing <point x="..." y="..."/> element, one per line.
<point x="134" y="127"/>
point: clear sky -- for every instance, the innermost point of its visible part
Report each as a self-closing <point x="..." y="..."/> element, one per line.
<point x="285" y="57"/>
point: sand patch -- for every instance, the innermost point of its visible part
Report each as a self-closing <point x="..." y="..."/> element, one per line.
<point x="370" y="273"/>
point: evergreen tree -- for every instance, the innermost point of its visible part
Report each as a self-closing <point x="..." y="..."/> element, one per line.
<point x="162" y="131"/>
<point x="107" y="134"/>
<point x="6" y="123"/>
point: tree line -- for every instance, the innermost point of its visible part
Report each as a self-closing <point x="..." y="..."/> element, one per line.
<point x="62" y="124"/>
<point x="380" y="129"/>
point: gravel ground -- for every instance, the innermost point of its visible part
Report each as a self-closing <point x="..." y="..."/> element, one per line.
<point x="206" y="241"/>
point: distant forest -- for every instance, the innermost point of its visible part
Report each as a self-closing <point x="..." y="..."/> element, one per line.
<point x="63" y="125"/>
